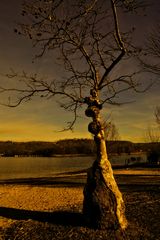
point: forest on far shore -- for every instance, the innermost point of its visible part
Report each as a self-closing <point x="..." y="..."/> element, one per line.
<point x="73" y="146"/>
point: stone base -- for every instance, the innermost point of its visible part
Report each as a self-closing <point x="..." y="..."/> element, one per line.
<point x="100" y="205"/>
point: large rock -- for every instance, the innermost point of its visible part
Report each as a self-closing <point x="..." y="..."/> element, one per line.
<point x="100" y="202"/>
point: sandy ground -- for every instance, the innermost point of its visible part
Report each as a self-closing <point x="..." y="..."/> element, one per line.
<point x="35" y="203"/>
<point x="51" y="197"/>
<point x="34" y="198"/>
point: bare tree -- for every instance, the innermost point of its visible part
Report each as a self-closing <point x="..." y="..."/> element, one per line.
<point x="157" y="115"/>
<point x="86" y="40"/>
<point x="111" y="131"/>
<point x="150" y="55"/>
<point x="152" y="134"/>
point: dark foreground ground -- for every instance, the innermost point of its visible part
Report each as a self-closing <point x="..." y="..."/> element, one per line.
<point x="142" y="198"/>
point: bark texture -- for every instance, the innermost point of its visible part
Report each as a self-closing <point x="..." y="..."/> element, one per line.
<point x="103" y="205"/>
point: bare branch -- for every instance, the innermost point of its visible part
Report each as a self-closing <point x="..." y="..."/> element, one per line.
<point x="71" y="124"/>
<point x="86" y="51"/>
<point x="157" y="114"/>
<point x="119" y="43"/>
<point x="33" y="87"/>
<point x="152" y="134"/>
<point x="149" y="57"/>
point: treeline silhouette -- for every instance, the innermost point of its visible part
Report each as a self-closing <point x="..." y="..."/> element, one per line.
<point x="72" y="146"/>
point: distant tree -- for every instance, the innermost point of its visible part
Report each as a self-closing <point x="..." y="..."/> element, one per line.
<point x="157" y="115"/>
<point x="151" y="63"/>
<point x="150" y="55"/>
<point x="86" y="40"/>
<point x="111" y="131"/>
<point x="44" y="152"/>
<point x="150" y="60"/>
<point x="152" y="134"/>
<point x="154" y="156"/>
<point x="76" y="146"/>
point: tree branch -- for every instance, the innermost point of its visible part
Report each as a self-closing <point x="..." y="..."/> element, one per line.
<point x="120" y="45"/>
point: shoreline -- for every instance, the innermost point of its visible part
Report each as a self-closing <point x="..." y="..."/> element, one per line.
<point x="80" y="176"/>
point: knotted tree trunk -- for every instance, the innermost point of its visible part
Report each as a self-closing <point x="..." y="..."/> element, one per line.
<point x="103" y="205"/>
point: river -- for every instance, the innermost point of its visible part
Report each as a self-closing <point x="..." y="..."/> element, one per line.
<point x="34" y="167"/>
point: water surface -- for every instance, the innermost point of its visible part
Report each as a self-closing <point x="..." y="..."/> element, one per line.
<point x="28" y="167"/>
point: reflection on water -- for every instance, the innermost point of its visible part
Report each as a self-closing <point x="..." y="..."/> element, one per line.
<point x="26" y="167"/>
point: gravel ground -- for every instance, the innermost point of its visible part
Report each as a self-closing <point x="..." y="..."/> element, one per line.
<point x="55" y="212"/>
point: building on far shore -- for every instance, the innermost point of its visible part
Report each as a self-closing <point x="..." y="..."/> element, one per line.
<point x="128" y="158"/>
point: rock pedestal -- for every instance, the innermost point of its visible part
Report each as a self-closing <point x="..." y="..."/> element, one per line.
<point x="100" y="203"/>
<point x="103" y="205"/>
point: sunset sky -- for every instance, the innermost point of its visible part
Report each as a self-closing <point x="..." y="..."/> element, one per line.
<point x="42" y="119"/>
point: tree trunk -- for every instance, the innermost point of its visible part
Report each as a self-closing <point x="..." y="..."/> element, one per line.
<point x="103" y="205"/>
